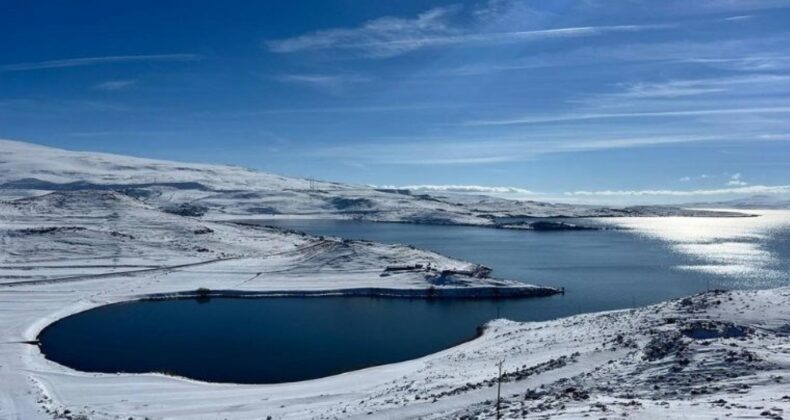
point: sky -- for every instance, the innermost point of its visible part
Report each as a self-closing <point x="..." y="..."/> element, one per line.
<point x="584" y="100"/>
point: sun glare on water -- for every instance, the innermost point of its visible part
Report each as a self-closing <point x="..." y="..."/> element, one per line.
<point x="741" y="248"/>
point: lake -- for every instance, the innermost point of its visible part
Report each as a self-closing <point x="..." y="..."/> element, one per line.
<point x="290" y="339"/>
<point x="259" y="340"/>
<point x="639" y="261"/>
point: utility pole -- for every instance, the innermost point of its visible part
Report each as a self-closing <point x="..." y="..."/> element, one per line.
<point x="499" y="388"/>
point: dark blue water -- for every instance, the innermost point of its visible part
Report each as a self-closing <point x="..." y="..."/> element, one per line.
<point x="260" y="340"/>
<point x="290" y="339"/>
<point x="600" y="270"/>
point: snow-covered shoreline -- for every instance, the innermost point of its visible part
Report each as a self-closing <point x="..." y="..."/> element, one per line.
<point x="67" y="252"/>
<point x="85" y="245"/>
<point x="586" y="364"/>
<point x="706" y="356"/>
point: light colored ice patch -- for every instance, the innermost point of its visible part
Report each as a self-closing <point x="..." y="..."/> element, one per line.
<point x="731" y="247"/>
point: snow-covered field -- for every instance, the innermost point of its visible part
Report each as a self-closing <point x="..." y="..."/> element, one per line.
<point x="68" y="251"/>
<point x="80" y="230"/>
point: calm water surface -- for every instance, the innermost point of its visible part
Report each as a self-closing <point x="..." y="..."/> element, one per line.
<point x="259" y="340"/>
<point x="653" y="260"/>
<point x="291" y="339"/>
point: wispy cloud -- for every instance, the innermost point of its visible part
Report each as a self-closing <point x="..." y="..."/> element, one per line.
<point x="385" y="36"/>
<point x="479" y="151"/>
<point x="92" y="61"/>
<point x="353" y="109"/>
<point x="620" y="115"/>
<point x="468" y="160"/>
<point x="774" y="136"/>
<point x="736" y="181"/>
<point x="745" y="63"/>
<point x="114" y="85"/>
<point x="692" y="178"/>
<point x="462" y="189"/>
<point x="693" y="87"/>
<point x="724" y="59"/>
<point x="765" y="53"/>
<point x="753" y="189"/>
<point x="391" y="36"/>
<point x="519" y="192"/>
<point x="738" y="18"/>
<point x="334" y="83"/>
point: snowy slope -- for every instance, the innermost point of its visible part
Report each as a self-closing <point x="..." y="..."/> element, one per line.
<point x="65" y="251"/>
<point x="227" y="192"/>
<point x="20" y="162"/>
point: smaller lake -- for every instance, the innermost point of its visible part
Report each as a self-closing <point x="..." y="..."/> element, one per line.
<point x="265" y="340"/>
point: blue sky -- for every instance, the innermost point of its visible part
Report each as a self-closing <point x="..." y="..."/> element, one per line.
<point x="593" y="100"/>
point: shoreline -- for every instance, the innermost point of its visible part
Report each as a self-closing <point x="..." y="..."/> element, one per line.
<point x="444" y="293"/>
<point x="604" y="338"/>
<point x="190" y="254"/>
<point x="495" y="222"/>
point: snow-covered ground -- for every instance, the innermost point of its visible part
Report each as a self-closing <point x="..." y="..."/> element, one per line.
<point x="80" y="230"/>
<point x="220" y="192"/>
<point x="67" y="251"/>
<point x="709" y="356"/>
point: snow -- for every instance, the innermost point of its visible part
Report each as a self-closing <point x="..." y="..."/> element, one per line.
<point x="68" y="251"/>
<point x="644" y="363"/>
<point x="70" y="241"/>
<point x="26" y="161"/>
<point x="229" y="192"/>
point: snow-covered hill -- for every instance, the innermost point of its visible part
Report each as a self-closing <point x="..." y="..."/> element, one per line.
<point x="65" y="251"/>
<point x="33" y="166"/>
<point x="751" y="202"/>
<point x="227" y="192"/>
<point x="81" y="230"/>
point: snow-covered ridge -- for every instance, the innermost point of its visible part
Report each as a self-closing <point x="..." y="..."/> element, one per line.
<point x="228" y="192"/>
<point x="24" y="163"/>
<point x="752" y="202"/>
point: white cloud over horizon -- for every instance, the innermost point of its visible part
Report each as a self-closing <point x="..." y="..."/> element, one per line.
<point x="747" y="190"/>
<point x="461" y="189"/>
<point x="736" y="181"/>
